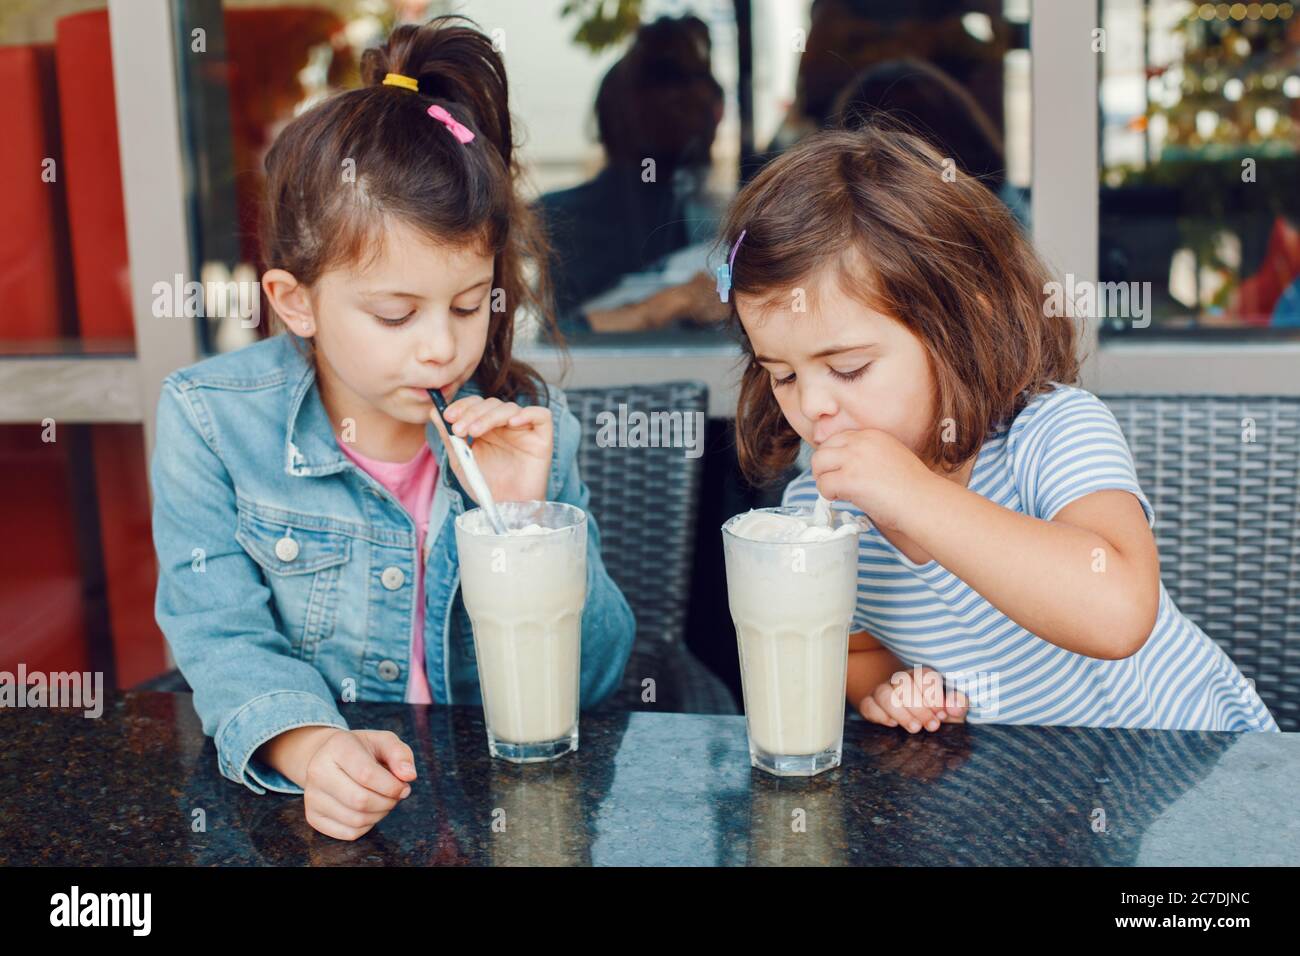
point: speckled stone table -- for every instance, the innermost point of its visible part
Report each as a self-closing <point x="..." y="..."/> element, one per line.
<point x="651" y="789"/>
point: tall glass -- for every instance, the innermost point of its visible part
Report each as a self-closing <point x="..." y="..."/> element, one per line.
<point x="792" y="604"/>
<point x="524" y="592"/>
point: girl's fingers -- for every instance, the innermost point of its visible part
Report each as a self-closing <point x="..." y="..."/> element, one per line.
<point x="331" y="808"/>
<point x="871" y="711"/>
<point x="532" y="415"/>
<point x="883" y="696"/>
<point x="464" y="423"/>
<point x="391" y="751"/>
<point x="899" y="703"/>
<point x="828" y="484"/>
<point x="331" y="828"/>
<point x="361" y="798"/>
<point x="493" y="419"/>
<point x="465" y="417"/>
<point x="368" y="776"/>
<point x="924" y="719"/>
<point x="458" y="408"/>
<point x="954" y="707"/>
<point x="823" y="460"/>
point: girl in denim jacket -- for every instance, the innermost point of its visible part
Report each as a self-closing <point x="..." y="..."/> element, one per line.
<point x="303" y="494"/>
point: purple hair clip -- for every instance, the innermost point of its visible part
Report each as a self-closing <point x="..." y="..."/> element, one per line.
<point x="724" y="271"/>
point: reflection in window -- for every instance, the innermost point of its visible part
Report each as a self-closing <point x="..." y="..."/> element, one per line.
<point x="657" y="114"/>
<point x="1200" y="107"/>
<point x="635" y="253"/>
<point x="635" y="129"/>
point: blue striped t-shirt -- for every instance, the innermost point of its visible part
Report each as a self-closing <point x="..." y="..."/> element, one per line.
<point x="1063" y="445"/>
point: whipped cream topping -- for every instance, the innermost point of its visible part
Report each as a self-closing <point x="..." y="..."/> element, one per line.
<point x="762" y="525"/>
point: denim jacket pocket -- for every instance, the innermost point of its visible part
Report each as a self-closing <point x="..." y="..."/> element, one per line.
<point x="303" y="566"/>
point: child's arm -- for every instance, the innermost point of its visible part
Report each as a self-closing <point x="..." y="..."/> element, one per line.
<point x="1087" y="581"/>
<point x="212" y="605"/>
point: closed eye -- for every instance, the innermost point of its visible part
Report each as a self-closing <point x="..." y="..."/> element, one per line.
<point x="852" y="376"/>
<point x="468" y="312"/>
<point x="394" y="322"/>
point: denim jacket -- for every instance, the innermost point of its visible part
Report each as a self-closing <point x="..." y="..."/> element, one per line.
<point x="286" y="572"/>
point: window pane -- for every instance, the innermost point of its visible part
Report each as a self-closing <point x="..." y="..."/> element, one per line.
<point x="634" y="132"/>
<point x="65" y="279"/>
<point x="1200" y="104"/>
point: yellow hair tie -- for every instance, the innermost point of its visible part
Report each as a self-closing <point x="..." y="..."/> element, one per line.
<point x="407" y="82"/>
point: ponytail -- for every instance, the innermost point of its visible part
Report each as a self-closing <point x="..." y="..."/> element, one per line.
<point x="456" y="64"/>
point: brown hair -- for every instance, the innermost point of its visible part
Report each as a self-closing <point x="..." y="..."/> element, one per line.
<point x="942" y="256"/>
<point x="408" y="167"/>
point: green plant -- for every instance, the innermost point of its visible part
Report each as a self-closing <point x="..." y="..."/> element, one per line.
<point x="602" y="23"/>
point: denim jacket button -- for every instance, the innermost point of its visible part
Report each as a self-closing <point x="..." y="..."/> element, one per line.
<point x="286" y="549"/>
<point x="388" y="670"/>
<point x="392" y="578"/>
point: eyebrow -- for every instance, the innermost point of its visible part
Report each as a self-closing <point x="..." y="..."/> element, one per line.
<point x="392" y="293"/>
<point x="832" y="350"/>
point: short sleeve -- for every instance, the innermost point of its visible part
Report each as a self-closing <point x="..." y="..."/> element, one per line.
<point x="1069" y="445"/>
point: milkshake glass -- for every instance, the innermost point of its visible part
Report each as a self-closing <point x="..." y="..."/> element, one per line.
<point x="791" y="586"/>
<point x="524" y="592"/>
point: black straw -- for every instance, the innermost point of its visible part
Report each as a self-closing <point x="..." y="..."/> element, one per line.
<point x="439" y="402"/>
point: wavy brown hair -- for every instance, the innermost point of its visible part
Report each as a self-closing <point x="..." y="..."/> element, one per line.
<point x="943" y="256"/>
<point x="409" y="168"/>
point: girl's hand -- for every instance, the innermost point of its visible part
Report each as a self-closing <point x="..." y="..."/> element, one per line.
<point x="903" y="701"/>
<point x="512" y="445"/>
<point x="353" y="779"/>
<point x="873" y="470"/>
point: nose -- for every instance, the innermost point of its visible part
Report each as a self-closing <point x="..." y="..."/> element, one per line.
<point x="818" y="407"/>
<point x="437" y="345"/>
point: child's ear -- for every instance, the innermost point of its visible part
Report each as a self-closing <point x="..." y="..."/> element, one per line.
<point x="289" y="298"/>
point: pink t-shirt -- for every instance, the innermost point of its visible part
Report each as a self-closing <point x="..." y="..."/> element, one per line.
<point x="413" y="482"/>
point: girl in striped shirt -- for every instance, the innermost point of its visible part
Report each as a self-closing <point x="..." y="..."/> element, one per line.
<point x="894" y="318"/>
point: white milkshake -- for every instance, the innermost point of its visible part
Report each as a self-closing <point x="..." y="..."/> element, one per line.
<point x="792" y="585"/>
<point x="524" y="592"/>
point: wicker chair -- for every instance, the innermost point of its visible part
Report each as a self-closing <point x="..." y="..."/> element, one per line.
<point x="648" y="552"/>
<point x="1228" y="524"/>
<point x="645" y="500"/>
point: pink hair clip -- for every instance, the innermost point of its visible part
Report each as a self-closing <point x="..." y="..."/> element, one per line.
<point x="449" y="121"/>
